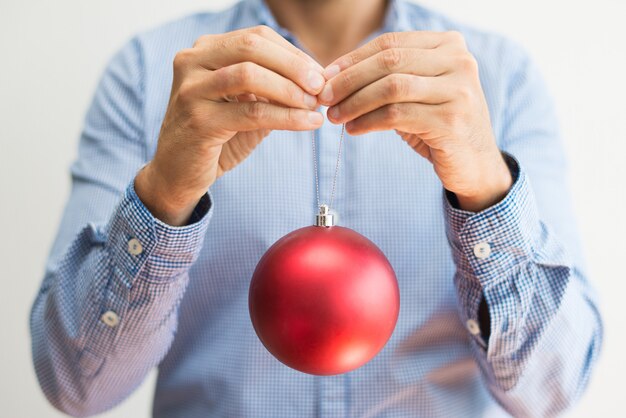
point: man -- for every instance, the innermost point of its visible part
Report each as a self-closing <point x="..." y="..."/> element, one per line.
<point x="177" y="194"/>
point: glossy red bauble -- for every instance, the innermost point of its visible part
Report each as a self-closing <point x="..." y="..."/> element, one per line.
<point x="324" y="300"/>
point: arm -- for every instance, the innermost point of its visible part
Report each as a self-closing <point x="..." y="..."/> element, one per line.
<point x="522" y="257"/>
<point x="106" y="311"/>
<point x="513" y="244"/>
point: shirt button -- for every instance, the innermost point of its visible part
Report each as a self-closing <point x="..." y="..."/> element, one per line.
<point x="473" y="327"/>
<point x="110" y="318"/>
<point x="482" y="250"/>
<point x="134" y="247"/>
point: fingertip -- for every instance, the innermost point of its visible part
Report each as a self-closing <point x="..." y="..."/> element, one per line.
<point x="352" y="128"/>
<point x="326" y="96"/>
<point x="315" y="118"/>
<point x="315" y="81"/>
<point x="331" y="71"/>
<point x="332" y="113"/>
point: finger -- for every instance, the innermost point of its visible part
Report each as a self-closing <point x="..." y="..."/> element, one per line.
<point x="422" y="62"/>
<point x="417" y="144"/>
<point x="392" y="40"/>
<point x="252" y="98"/>
<point x="270" y="34"/>
<point x="414" y="118"/>
<point x="249" y="116"/>
<point x="273" y="36"/>
<point x="393" y="88"/>
<point x="248" y="77"/>
<point x="257" y="49"/>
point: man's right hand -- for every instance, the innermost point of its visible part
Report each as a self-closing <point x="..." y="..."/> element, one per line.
<point x="228" y="92"/>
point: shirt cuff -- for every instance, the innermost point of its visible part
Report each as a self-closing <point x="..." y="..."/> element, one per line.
<point x="487" y="245"/>
<point x="142" y="245"/>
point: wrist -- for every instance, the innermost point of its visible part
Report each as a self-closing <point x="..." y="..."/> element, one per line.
<point x="152" y="190"/>
<point x="495" y="186"/>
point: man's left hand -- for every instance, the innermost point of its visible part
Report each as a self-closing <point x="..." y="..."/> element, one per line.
<point x="425" y="86"/>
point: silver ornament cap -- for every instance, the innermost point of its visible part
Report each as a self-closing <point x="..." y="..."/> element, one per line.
<point x="324" y="218"/>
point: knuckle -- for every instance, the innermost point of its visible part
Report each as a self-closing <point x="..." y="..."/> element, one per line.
<point x="186" y="92"/>
<point x="249" y="42"/>
<point x="246" y="72"/>
<point x="222" y="77"/>
<point x="202" y="40"/>
<point x="388" y="40"/>
<point x="255" y="112"/>
<point x="183" y="59"/>
<point x="468" y="63"/>
<point x="262" y="30"/>
<point x="390" y="59"/>
<point x="393" y="113"/>
<point x="396" y="87"/>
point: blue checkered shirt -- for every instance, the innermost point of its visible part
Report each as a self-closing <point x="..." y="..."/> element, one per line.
<point x="124" y="293"/>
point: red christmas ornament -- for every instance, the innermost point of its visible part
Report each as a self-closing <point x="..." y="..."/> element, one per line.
<point x="324" y="299"/>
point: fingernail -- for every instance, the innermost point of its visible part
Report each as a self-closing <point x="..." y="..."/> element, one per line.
<point x="315" y="80"/>
<point x="326" y="95"/>
<point x="331" y="71"/>
<point x="315" y="118"/>
<point x="333" y="112"/>
<point x="310" y="101"/>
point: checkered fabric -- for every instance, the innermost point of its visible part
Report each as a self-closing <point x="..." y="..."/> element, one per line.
<point x="124" y="293"/>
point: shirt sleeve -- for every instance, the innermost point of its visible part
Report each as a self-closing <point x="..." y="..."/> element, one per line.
<point x="106" y="311"/>
<point x="523" y="257"/>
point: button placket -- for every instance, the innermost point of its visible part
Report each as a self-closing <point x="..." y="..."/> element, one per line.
<point x="333" y="396"/>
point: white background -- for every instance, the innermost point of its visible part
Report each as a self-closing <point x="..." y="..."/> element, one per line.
<point x="53" y="52"/>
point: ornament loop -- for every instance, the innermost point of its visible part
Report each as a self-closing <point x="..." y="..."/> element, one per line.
<point x="317" y="186"/>
<point x="324" y="218"/>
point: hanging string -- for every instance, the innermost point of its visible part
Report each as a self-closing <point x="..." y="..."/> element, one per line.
<point x="334" y="184"/>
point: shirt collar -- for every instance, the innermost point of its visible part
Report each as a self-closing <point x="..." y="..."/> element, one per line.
<point x="396" y="17"/>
